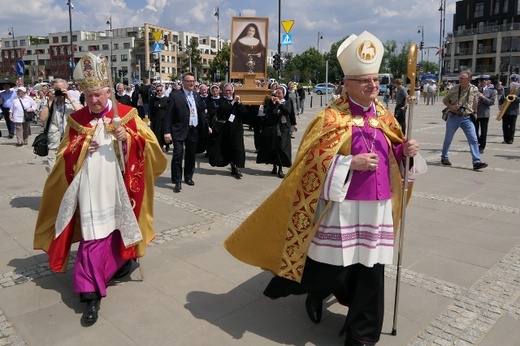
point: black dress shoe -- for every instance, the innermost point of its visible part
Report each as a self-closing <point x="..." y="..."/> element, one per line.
<point x="189" y="182"/>
<point x="314" y="307"/>
<point x="446" y="162"/>
<point x="233" y="170"/>
<point x="281" y="174"/>
<point x="238" y="174"/>
<point x="479" y="165"/>
<point x="274" y="170"/>
<point x="123" y="271"/>
<point x="177" y="188"/>
<point x="90" y="315"/>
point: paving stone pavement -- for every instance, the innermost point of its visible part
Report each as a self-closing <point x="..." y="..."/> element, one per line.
<point x="460" y="280"/>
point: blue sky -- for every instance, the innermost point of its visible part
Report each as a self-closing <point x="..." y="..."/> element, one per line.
<point x="333" y="19"/>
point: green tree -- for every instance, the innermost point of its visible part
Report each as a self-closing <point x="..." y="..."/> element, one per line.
<point x="219" y="64"/>
<point x="191" y="54"/>
<point x="310" y="65"/>
<point x="395" y="59"/>
<point x="335" y="71"/>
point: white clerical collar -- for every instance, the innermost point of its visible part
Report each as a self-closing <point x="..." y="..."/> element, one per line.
<point x="365" y="108"/>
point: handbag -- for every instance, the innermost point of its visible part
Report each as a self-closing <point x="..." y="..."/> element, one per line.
<point x="41" y="142"/>
<point x="445" y="112"/>
<point x="27" y="116"/>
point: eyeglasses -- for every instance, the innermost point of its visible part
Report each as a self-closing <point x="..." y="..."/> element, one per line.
<point x="365" y="81"/>
<point x="158" y="90"/>
<point x="463" y="77"/>
<point x="189" y="80"/>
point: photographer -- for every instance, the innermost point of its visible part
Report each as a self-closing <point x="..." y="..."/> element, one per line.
<point x="59" y="106"/>
<point x="462" y="101"/>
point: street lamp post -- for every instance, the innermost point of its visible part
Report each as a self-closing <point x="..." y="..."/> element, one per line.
<point x="320" y="37"/>
<point x="109" y="23"/>
<point x="420" y="30"/>
<point x="10" y="32"/>
<point x="71" y="63"/>
<point x="217" y="14"/>
<point x="442" y="10"/>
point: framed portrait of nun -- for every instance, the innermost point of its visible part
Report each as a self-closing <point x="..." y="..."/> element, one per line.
<point x="249" y="46"/>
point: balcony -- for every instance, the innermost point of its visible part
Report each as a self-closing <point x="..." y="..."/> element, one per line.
<point x="487" y="29"/>
<point x="464" y="51"/>
<point x="485" y="50"/>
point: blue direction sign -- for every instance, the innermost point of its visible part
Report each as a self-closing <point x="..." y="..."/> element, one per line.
<point x="286" y="39"/>
<point x="157" y="47"/>
<point x="20" y="67"/>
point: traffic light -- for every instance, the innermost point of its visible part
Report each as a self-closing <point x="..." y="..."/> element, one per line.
<point x="422" y="45"/>
<point x="276" y="61"/>
<point x="157" y="65"/>
<point x="121" y="73"/>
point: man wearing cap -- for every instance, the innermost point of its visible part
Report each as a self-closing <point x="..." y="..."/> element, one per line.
<point x="486" y="98"/>
<point x="511" y="113"/>
<point x="100" y="191"/>
<point x="461" y="102"/>
<point x="24" y="103"/>
<point x="329" y="227"/>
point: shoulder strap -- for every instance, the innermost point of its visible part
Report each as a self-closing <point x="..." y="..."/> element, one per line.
<point x="48" y="123"/>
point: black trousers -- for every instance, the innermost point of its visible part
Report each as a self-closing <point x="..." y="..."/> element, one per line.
<point x="359" y="287"/>
<point x="508" y="127"/>
<point x="8" y="122"/>
<point x="482" y="125"/>
<point x="186" y="150"/>
<point x="400" y="115"/>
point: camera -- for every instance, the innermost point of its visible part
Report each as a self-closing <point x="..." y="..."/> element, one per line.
<point x="58" y="92"/>
<point x="462" y="109"/>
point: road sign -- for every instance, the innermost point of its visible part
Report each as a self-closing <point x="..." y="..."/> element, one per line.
<point x="287" y="25"/>
<point x="157" y="35"/>
<point x="20" y="67"/>
<point x="287" y="39"/>
<point x="157" y="47"/>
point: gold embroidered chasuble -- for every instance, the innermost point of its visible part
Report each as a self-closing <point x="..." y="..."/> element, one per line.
<point x="276" y="235"/>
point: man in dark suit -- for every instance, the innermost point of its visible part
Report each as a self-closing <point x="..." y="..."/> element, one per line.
<point x="184" y="120"/>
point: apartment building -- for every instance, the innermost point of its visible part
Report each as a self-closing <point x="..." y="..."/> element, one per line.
<point x="485" y="38"/>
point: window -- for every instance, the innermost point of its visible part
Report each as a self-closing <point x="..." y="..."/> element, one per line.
<point x="114" y="58"/>
<point x="75" y="38"/>
<point x="106" y="47"/>
<point x="124" y="57"/>
<point x="55" y="40"/>
<point x="22" y="43"/>
<point x="7" y="44"/>
<point x="64" y="39"/>
<point x="505" y="9"/>
<point x="496" y="7"/>
<point x="479" y="10"/>
<point x="126" y="45"/>
<point x="116" y="45"/>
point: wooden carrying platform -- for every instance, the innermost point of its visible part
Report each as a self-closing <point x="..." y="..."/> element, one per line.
<point x="250" y="94"/>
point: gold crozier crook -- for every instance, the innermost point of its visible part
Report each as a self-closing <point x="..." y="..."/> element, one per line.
<point x="411" y="72"/>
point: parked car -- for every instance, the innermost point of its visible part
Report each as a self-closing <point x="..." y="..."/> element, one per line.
<point x="323" y="88"/>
